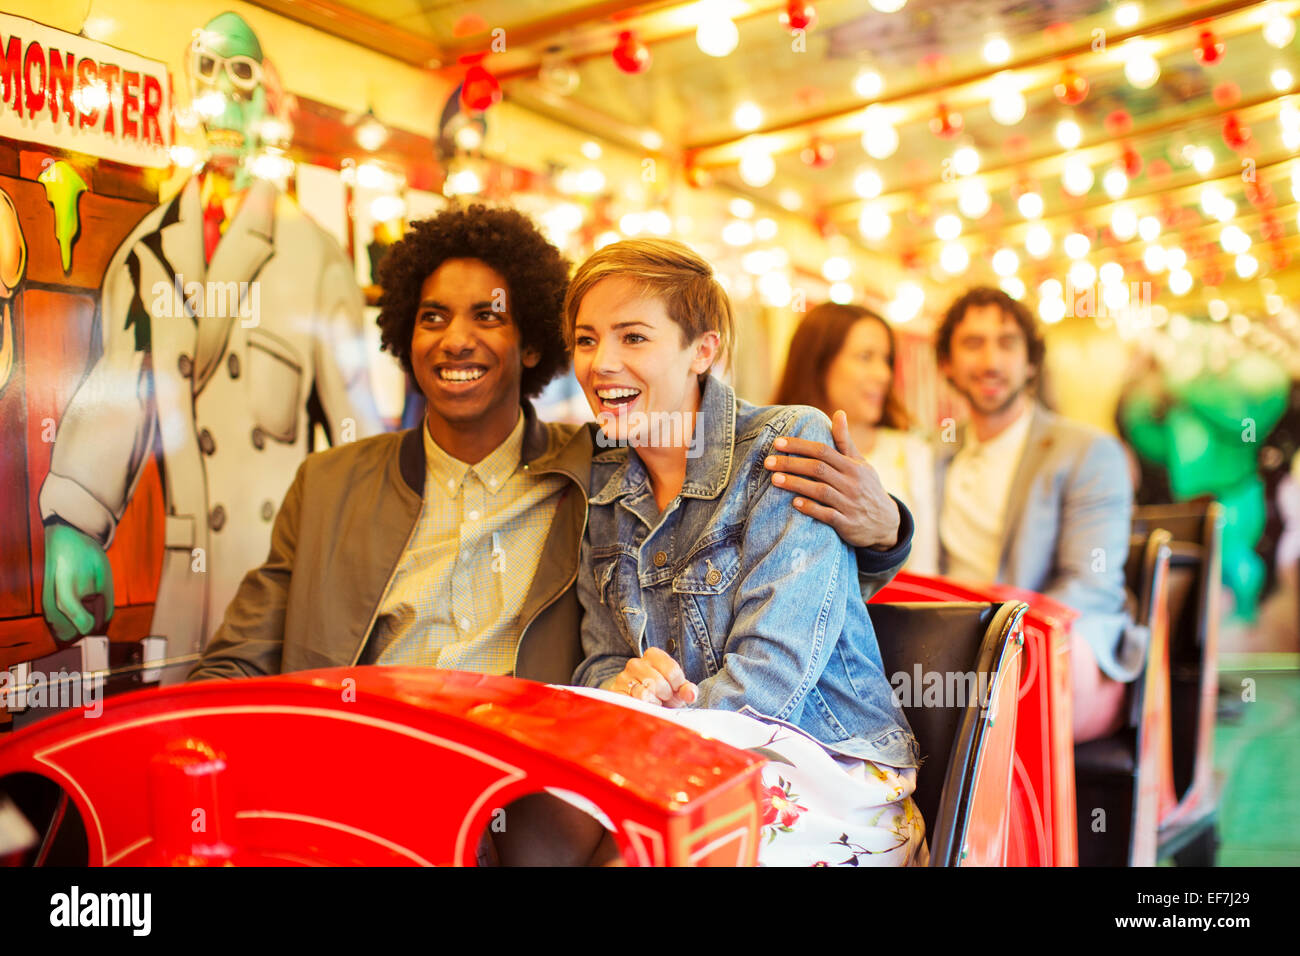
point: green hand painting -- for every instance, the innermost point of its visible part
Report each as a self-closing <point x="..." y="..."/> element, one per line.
<point x="77" y="597"/>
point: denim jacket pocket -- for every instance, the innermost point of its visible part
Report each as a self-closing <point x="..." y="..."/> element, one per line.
<point x="703" y="591"/>
<point x="630" y="618"/>
<point x="603" y="571"/>
<point x="711" y="570"/>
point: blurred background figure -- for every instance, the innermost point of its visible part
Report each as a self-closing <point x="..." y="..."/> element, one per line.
<point x="1203" y="415"/>
<point x="842" y="357"/>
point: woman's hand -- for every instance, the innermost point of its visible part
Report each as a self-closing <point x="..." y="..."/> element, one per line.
<point x="656" y="679"/>
<point x="837" y="488"/>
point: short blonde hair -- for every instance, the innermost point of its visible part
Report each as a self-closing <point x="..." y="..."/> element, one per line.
<point x="668" y="270"/>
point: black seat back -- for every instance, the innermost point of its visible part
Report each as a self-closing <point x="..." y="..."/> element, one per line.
<point x="1110" y="771"/>
<point x="1194" y="570"/>
<point x="949" y="640"/>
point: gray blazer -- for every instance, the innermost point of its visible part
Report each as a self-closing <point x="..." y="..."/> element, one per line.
<point x="1067" y="529"/>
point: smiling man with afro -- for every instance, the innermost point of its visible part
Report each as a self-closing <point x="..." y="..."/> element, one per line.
<point x="425" y="547"/>
<point x="536" y="276"/>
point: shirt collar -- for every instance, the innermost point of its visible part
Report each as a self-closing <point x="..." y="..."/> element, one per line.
<point x="1006" y="441"/>
<point x="708" y="456"/>
<point x="448" y="472"/>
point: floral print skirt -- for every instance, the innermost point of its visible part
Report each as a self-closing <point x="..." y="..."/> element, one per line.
<point x="820" y="808"/>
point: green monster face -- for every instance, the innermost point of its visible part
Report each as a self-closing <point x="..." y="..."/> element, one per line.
<point x="227" y="90"/>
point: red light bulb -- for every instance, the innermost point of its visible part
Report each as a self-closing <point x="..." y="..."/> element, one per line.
<point x="630" y="54"/>
<point x="1071" y="89"/>
<point x="1209" y="50"/>
<point x="798" y="15"/>
<point x="480" y="89"/>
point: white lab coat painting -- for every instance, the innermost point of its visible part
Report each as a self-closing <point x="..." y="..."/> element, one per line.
<point x="223" y="399"/>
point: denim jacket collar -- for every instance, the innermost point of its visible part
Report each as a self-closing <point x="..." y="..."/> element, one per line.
<point x="707" y="473"/>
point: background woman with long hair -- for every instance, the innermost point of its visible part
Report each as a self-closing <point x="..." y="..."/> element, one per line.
<point x="842" y="357"/>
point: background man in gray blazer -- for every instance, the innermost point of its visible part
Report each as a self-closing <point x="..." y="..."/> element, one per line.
<point x="1035" y="501"/>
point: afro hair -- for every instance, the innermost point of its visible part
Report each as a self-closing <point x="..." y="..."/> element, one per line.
<point x="536" y="275"/>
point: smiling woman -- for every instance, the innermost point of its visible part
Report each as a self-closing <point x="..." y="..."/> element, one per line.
<point x="705" y="595"/>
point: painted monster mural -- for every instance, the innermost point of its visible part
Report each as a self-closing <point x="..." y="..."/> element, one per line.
<point x="227" y="326"/>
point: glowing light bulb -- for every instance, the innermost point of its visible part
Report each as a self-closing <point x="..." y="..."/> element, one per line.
<point x="1082" y="274"/>
<point x="1115" y="183"/>
<point x="1234" y="240"/>
<point x="836" y="269"/>
<point x="1050" y="289"/>
<point x="1279" y="29"/>
<point x="716" y="34"/>
<point x="1030" y="205"/>
<point x="1077" y="177"/>
<point x="1140" y="66"/>
<point x="1247" y="265"/>
<point x="1210" y="199"/>
<point x="741" y="208"/>
<point x="1076" y="245"/>
<point x="907" y="302"/>
<point x="868" y="84"/>
<point x="966" y="161"/>
<point x="868" y="184"/>
<point x="1008" y="107"/>
<point x="997" y="50"/>
<point x="1180" y="281"/>
<point x="879" y="136"/>
<point x="973" y="200"/>
<point x="757" y="167"/>
<point x="1013" y="286"/>
<point x="1149" y="228"/>
<point x="747" y="116"/>
<point x="1110" y="273"/>
<point x="1005" y="262"/>
<point x="1128" y="14"/>
<point x="954" y="258"/>
<point x="737" y="233"/>
<point x="1051" y="311"/>
<point x="1038" y="241"/>
<point x="874" y="223"/>
<point x="947" y="226"/>
<point x="1154" y="258"/>
<point x="1115" y="296"/>
<point x="1124" y="223"/>
<point x="1068" y="134"/>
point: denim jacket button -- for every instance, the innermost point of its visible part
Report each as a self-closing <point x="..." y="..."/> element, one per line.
<point x="660" y="559"/>
<point x="713" y="577"/>
<point x="671" y="647"/>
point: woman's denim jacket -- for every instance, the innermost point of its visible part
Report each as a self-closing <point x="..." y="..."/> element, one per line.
<point x="758" y="603"/>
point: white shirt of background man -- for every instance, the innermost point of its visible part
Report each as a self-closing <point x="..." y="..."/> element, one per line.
<point x="975" y="501"/>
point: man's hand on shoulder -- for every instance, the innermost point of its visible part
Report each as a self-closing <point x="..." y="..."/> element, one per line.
<point x="837" y="487"/>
